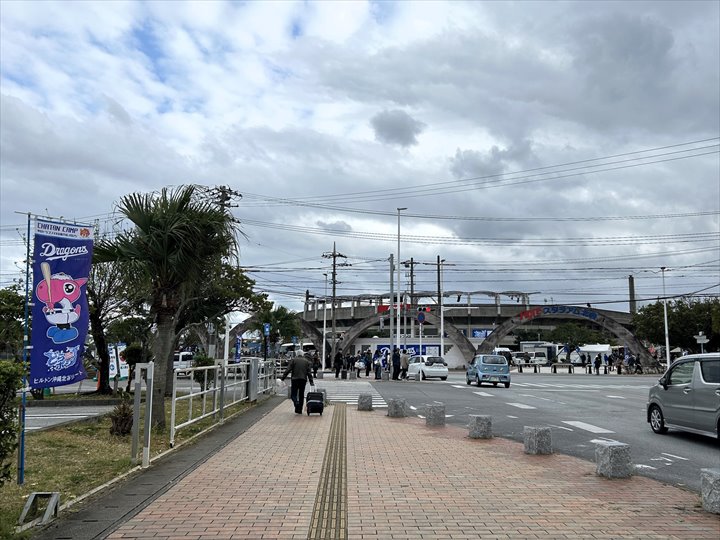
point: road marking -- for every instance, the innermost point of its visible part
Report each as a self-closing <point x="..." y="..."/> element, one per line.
<point x="661" y="459"/>
<point x="413" y="408"/>
<point x="510" y="416"/>
<point x="484" y="394"/>
<point x="457" y="386"/>
<point x="603" y="440"/>
<point x="586" y="427"/>
<point x="522" y="406"/>
<point x="676" y="457"/>
<point x="519" y="384"/>
<point x="420" y="416"/>
<point x="562" y="427"/>
<point x="645" y="467"/>
<point x="449" y="415"/>
<point x="616" y="397"/>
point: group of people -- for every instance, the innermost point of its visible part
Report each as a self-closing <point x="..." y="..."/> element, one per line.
<point x="613" y="361"/>
<point x="377" y="362"/>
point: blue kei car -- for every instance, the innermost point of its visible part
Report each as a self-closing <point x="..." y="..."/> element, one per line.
<point x="488" y="368"/>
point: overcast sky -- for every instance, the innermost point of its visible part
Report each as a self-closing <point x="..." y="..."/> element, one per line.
<point x="548" y="148"/>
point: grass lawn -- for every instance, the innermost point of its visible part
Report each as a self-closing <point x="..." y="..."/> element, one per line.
<point x="77" y="457"/>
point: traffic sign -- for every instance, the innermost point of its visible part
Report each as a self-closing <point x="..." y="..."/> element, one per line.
<point x="701" y="338"/>
<point x="421" y="317"/>
<point x="266" y="328"/>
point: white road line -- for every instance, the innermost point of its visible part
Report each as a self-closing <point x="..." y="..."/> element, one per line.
<point x="458" y="386"/>
<point x="673" y="456"/>
<point x="661" y="459"/>
<point x="519" y="384"/>
<point x="510" y="416"/>
<point x="413" y="408"/>
<point x="638" y="466"/>
<point x="522" y="406"/>
<point x="603" y="440"/>
<point x="586" y="427"/>
<point x="420" y="416"/>
<point x="616" y="397"/>
<point x="449" y="415"/>
<point x="562" y="427"/>
<point x="484" y="394"/>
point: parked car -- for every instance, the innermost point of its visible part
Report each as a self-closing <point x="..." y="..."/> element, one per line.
<point x="488" y="368"/>
<point x="520" y="358"/>
<point x="182" y="361"/>
<point x="687" y="396"/>
<point x="428" y="367"/>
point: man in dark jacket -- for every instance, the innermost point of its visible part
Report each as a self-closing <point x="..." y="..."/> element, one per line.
<point x="301" y="372"/>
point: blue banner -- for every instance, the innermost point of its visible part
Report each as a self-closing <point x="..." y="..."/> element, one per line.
<point x="61" y="265"/>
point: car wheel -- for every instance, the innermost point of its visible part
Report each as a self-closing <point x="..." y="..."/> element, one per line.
<point x="422" y="375"/>
<point x="479" y="383"/>
<point x="657" y="422"/>
<point x="443" y="378"/>
<point x="507" y="385"/>
<point x="467" y="380"/>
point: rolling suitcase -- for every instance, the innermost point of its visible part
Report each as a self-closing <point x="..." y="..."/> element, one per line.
<point x="315" y="403"/>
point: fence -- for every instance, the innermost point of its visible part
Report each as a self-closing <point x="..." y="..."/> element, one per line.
<point x="218" y="386"/>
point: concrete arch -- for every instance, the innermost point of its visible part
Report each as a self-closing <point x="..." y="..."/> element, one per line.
<point x="454" y="335"/>
<point x="308" y="330"/>
<point x="568" y="312"/>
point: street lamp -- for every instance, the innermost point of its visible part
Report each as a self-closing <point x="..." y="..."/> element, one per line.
<point x="397" y="326"/>
<point x="667" y="335"/>
<point x="324" y="358"/>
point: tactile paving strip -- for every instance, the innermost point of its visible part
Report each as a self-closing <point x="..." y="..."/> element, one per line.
<point x="329" y="519"/>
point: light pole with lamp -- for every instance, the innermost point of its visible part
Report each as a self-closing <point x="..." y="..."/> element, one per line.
<point x="324" y="338"/>
<point x="667" y="334"/>
<point x="397" y="326"/>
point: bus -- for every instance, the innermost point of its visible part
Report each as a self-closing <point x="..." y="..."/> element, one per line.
<point x="291" y="350"/>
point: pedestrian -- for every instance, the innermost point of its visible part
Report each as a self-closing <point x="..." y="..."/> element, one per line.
<point x="395" y="364"/>
<point x="631" y="364"/>
<point x="367" y="358"/>
<point x="404" y="363"/>
<point x="316" y="364"/>
<point x="597" y="363"/>
<point x="338" y="363"/>
<point x="377" y="362"/>
<point x="359" y="366"/>
<point x="300" y="371"/>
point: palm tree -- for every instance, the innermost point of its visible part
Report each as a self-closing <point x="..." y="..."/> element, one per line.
<point x="284" y="324"/>
<point x="177" y="234"/>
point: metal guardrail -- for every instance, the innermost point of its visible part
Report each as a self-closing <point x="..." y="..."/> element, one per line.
<point x="221" y="385"/>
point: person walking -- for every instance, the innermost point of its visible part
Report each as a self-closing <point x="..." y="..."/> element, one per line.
<point x="597" y="363"/>
<point x="338" y="363"/>
<point x="367" y="358"/>
<point x="316" y="364"/>
<point x="395" y="364"/>
<point x="359" y="365"/>
<point x="300" y="370"/>
<point x="377" y="362"/>
<point x="404" y="363"/>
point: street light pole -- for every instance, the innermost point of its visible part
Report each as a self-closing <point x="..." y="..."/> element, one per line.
<point x="397" y="338"/>
<point x="667" y="334"/>
<point x="324" y="339"/>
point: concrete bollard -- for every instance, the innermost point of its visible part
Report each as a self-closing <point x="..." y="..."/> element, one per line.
<point x="435" y="414"/>
<point x="385" y="375"/>
<point x="320" y="375"/>
<point x="480" y="426"/>
<point x="710" y="489"/>
<point x="352" y="375"/>
<point x="397" y="408"/>
<point x="613" y="460"/>
<point x="365" y="402"/>
<point x="538" y="440"/>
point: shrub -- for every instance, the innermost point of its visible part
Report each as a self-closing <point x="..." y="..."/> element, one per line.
<point x="11" y="375"/>
<point x="199" y="376"/>
<point x="122" y="417"/>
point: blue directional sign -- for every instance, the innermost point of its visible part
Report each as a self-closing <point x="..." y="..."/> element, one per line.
<point x="266" y="328"/>
<point x="421" y="317"/>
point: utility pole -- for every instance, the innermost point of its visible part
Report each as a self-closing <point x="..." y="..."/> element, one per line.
<point x="413" y="314"/>
<point x="334" y="255"/>
<point x="440" y="306"/>
<point x="392" y="303"/>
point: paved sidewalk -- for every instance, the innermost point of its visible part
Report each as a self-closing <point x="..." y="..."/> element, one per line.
<point x="402" y="480"/>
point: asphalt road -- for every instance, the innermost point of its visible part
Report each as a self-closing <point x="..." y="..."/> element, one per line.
<point x="580" y="408"/>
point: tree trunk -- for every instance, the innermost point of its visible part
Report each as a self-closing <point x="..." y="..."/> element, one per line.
<point x="162" y="349"/>
<point x="98" y="334"/>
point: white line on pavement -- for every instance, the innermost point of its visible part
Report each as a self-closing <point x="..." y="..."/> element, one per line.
<point x="603" y="440"/>
<point x="413" y="408"/>
<point x="676" y="457"/>
<point x="522" y="406"/>
<point x="645" y="467"/>
<point x="616" y="397"/>
<point x="586" y="427"/>
<point x="510" y="416"/>
<point x="458" y="386"/>
<point x="484" y="394"/>
<point x="562" y="427"/>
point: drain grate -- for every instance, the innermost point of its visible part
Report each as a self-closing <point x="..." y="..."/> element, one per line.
<point x="329" y="519"/>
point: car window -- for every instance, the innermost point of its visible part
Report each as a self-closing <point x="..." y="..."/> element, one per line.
<point x="432" y="359"/>
<point x="710" y="371"/>
<point x="682" y="373"/>
<point x="494" y="360"/>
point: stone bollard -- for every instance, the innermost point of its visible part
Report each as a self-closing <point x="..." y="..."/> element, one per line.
<point x="385" y="375"/>
<point x="613" y="460"/>
<point x="365" y="402"/>
<point x="435" y="414"/>
<point x="480" y="426"/>
<point x="538" y="440"/>
<point x="710" y="489"/>
<point x="352" y="375"/>
<point x="396" y="408"/>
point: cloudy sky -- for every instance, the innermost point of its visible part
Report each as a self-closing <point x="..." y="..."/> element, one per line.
<point x="547" y="148"/>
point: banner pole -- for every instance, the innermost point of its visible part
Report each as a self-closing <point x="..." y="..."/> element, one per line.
<point x="26" y="343"/>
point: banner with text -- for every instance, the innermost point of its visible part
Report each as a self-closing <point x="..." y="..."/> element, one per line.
<point x="61" y="265"/>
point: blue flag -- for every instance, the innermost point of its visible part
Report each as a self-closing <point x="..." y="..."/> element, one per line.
<point x="61" y="265"/>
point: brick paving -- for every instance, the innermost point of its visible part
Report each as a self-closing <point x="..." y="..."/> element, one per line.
<point x="409" y="482"/>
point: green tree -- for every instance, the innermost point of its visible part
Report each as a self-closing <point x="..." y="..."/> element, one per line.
<point x="12" y="315"/>
<point x="177" y="234"/>
<point x="10" y="383"/>
<point x="284" y="324"/>
<point x="686" y="317"/>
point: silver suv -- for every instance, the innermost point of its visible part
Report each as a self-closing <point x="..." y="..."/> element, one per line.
<point x="687" y="396"/>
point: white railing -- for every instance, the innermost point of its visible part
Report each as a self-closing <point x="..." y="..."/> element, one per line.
<point x="219" y="387"/>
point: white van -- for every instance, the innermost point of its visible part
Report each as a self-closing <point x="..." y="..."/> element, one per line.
<point x="536" y="357"/>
